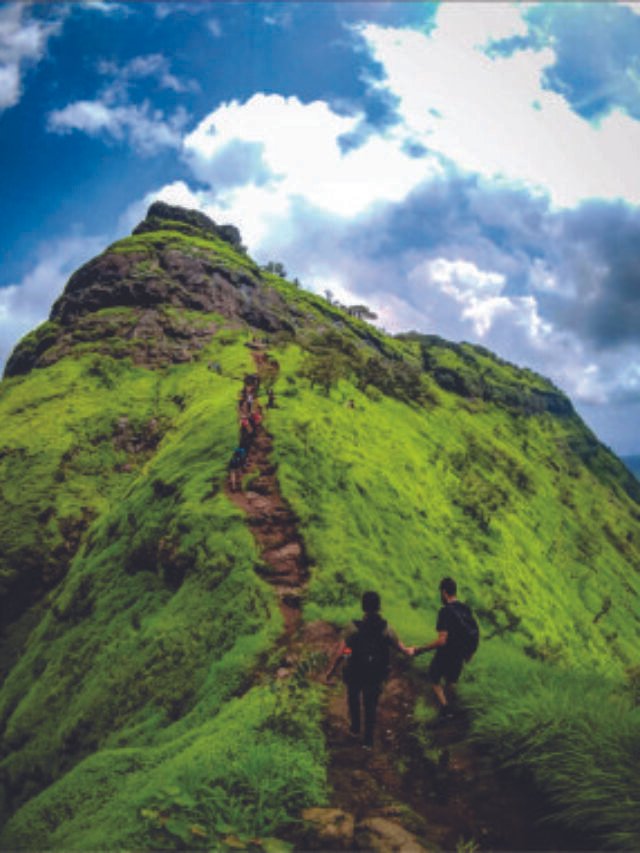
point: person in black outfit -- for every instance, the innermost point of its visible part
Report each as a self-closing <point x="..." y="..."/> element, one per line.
<point x="449" y="658"/>
<point x="365" y="652"/>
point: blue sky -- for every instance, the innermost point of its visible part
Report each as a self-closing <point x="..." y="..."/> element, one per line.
<point x="466" y="169"/>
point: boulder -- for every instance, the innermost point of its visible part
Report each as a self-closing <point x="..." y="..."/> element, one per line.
<point x="331" y="826"/>
<point x="386" y="836"/>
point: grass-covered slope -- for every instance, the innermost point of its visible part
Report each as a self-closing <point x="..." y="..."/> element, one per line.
<point x="137" y="707"/>
<point x="526" y="512"/>
<point x="120" y="680"/>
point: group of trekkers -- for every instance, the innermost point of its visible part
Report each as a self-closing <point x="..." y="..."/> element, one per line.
<point x="364" y="649"/>
<point x="250" y="417"/>
<point x="364" y="654"/>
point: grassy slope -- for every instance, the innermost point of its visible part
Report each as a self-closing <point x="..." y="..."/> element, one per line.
<point x="394" y="498"/>
<point x="132" y="700"/>
<point x="129" y="665"/>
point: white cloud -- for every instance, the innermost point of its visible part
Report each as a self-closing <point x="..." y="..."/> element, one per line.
<point x="23" y="43"/>
<point x="153" y="65"/>
<point x="469" y="301"/>
<point x="148" y="130"/>
<point x="492" y="115"/>
<point x="106" y="7"/>
<point x="283" y="150"/>
<point x="27" y="303"/>
<point x="177" y="193"/>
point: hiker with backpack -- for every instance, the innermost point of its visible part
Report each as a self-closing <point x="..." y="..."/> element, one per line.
<point x="457" y="641"/>
<point x="365" y="654"/>
<point x="236" y="466"/>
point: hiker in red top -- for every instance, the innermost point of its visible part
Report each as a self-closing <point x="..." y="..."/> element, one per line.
<point x="256" y="418"/>
<point x="365" y="653"/>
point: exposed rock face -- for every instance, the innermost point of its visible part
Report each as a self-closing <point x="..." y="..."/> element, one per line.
<point x="148" y="277"/>
<point x="171" y="277"/>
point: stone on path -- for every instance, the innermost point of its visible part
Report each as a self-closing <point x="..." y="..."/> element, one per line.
<point x="331" y="826"/>
<point x="385" y="836"/>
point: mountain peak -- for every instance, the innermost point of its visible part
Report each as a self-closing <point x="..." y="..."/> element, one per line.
<point x="161" y="215"/>
<point x="124" y="301"/>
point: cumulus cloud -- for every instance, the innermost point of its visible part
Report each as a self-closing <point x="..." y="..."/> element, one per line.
<point x="23" y="43"/>
<point x="27" y="303"/>
<point x="148" y="130"/>
<point x="491" y="113"/>
<point x="259" y="156"/>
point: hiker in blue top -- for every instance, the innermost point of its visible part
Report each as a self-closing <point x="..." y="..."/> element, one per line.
<point x="457" y="640"/>
<point x="236" y="466"/>
<point x="365" y="653"/>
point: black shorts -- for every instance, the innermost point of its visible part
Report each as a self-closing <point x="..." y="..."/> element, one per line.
<point x="444" y="666"/>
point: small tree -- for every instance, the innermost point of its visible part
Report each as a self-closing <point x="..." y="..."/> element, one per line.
<point x="276" y="268"/>
<point x="362" y="312"/>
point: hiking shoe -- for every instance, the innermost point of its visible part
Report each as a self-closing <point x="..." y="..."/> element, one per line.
<point x="446" y="713"/>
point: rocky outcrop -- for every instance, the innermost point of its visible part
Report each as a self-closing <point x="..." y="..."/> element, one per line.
<point x="161" y="215"/>
<point x="147" y="277"/>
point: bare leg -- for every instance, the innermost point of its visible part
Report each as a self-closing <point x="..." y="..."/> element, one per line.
<point x="440" y="695"/>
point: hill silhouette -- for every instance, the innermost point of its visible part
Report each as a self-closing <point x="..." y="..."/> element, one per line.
<point x="163" y="637"/>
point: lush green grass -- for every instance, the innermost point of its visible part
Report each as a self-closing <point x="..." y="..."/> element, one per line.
<point x="160" y="618"/>
<point x="394" y="497"/>
<point x="165" y="239"/>
<point x="576" y="732"/>
<point x="138" y="708"/>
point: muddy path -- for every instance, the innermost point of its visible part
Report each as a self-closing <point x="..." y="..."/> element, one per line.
<point x="422" y="787"/>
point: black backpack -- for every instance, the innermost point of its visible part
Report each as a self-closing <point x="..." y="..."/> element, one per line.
<point x="467" y="634"/>
<point x="368" y="662"/>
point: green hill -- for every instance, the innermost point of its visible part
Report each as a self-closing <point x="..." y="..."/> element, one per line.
<point x="141" y="638"/>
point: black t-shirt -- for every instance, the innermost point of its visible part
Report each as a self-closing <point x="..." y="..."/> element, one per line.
<point x="449" y="622"/>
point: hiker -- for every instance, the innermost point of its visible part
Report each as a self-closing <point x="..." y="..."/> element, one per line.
<point x="455" y="644"/>
<point x="365" y="653"/>
<point x="236" y="466"/>
<point x="246" y="433"/>
<point x="271" y="399"/>
<point x="256" y="418"/>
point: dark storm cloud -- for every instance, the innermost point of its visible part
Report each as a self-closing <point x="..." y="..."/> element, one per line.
<point x="599" y="263"/>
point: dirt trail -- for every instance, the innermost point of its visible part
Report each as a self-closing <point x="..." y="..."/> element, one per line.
<point x="393" y="798"/>
<point x="272" y="522"/>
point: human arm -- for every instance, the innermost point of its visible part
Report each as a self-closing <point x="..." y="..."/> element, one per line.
<point x="441" y="640"/>
<point x="397" y="643"/>
<point x="338" y="657"/>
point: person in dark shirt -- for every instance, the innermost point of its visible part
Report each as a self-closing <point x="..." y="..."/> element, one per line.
<point x="449" y="658"/>
<point x="365" y="652"/>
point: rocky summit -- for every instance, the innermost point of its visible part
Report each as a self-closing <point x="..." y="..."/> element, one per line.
<point x="176" y="258"/>
<point x="168" y="606"/>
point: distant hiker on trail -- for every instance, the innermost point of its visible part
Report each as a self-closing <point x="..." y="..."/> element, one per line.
<point x="256" y="418"/>
<point x="246" y="433"/>
<point x="365" y="653"/>
<point x="457" y="640"/>
<point x="236" y="466"/>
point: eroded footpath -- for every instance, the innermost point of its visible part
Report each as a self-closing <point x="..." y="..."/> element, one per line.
<point x="420" y="788"/>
